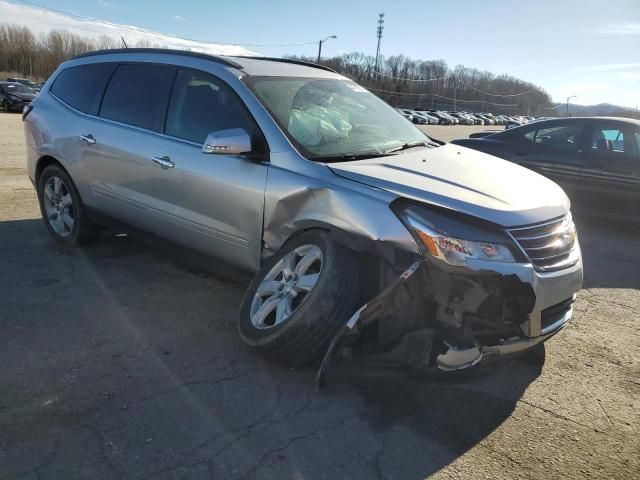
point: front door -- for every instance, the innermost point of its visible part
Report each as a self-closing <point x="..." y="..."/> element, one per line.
<point x="557" y="152"/>
<point x="211" y="202"/>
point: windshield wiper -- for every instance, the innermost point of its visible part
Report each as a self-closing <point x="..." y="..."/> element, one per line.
<point x="406" y="146"/>
<point x="351" y="156"/>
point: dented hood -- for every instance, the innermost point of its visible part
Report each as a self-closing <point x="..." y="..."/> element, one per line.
<point x="464" y="180"/>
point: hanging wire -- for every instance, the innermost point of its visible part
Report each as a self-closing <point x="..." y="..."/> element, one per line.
<point x="497" y="94"/>
<point x="408" y="79"/>
<point x="459" y="100"/>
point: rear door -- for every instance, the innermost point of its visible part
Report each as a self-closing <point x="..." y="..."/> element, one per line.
<point x="612" y="168"/>
<point x="118" y="147"/>
<point x="212" y="202"/>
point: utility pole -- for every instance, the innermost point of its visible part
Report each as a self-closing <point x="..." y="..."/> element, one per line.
<point x="380" y="29"/>
<point x="320" y="45"/>
<point x="569" y="98"/>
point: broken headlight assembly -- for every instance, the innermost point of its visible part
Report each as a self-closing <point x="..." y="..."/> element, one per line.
<point x="455" y="241"/>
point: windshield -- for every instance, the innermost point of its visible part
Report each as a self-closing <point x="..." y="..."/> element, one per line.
<point x="16" y="88"/>
<point x="328" y="119"/>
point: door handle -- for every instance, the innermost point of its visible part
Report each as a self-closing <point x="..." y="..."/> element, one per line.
<point x="164" y="162"/>
<point x="88" y="139"/>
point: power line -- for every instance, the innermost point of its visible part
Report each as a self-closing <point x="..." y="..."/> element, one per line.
<point x="141" y="30"/>
<point x="403" y="94"/>
<point x="388" y="75"/>
<point x="496" y="94"/>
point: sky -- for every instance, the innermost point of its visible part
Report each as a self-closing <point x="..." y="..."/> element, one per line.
<point x="568" y="47"/>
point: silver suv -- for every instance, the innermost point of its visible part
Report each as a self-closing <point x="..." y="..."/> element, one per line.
<point x="369" y="239"/>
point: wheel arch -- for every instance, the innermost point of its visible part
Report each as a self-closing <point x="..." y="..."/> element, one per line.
<point x="374" y="257"/>
<point x="43" y="162"/>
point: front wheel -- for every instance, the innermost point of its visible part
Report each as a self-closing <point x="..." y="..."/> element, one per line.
<point x="300" y="298"/>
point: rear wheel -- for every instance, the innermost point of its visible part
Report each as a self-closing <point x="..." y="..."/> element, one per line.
<point x="300" y="298"/>
<point x="4" y="106"/>
<point x="62" y="209"/>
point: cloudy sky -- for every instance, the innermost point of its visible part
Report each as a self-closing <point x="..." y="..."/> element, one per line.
<point x="570" y="47"/>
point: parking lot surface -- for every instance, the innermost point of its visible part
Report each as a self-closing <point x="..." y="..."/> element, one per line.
<point x="122" y="361"/>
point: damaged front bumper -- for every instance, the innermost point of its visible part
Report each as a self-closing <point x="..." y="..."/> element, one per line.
<point x="447" y="318"/>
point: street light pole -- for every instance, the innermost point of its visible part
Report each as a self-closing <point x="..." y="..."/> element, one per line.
<point x="320" y="45"/>
<point x="569" y="98"/>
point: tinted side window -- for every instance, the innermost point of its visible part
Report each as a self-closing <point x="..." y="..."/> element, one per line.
<point x="560" y="137"/>
<point x="614" y="140"/>
<point x="520" y="135"/>
<point x="82" y="87"/>
<point x="201" y="104"/>
<point x="136" y="95"/>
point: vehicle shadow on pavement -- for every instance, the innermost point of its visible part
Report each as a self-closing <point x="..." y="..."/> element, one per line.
<point x="126" y="354"/>
<point x="610" y="252"/>
<point x="444" y="419"/>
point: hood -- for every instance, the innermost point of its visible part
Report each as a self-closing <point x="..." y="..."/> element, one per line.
<point x="464" y="180"/>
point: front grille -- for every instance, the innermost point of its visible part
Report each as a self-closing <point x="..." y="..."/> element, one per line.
<point x="552" y="314"/>
<point x="550" y="245"/>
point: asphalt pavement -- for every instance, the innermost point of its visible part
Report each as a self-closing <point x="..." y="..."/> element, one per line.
<point x="121" y="361"/>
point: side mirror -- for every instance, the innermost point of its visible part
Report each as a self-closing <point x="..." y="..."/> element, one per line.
<point x="234" y="141"/>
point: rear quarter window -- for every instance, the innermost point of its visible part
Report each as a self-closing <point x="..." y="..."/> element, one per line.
<point x="82" y="87"/>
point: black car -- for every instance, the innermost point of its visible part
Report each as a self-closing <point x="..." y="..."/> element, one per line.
<point x="595" y="159"/>
<point x="27" y="83"/>
<point x="14" y="96"/>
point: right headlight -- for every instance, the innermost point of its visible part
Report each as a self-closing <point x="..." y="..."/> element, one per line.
<point x="454" y="242"/>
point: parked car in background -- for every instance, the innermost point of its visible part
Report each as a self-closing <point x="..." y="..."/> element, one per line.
<point x="487" y="119"/>
<point x="513" y="123"/>
<point x="35" y="87"/>
<point x="595" y="159"/>
<point x="417" y="118"/>
<point x="430" y="118"/>
<point x="405" y="114"/>
<point x="476" y="120"/>
<point x="14" y="96"/>
<point x="442" y="119"/>
<point x="462" y="118"/>
<point x="344" y="211"/>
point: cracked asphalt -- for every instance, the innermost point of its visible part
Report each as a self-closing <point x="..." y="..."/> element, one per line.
<point x="121" y="361"/>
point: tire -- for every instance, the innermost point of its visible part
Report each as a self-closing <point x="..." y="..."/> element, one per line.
<point x="4" y="106"/>
<point x="303" y="336"/>
<point x="62" y="209"/>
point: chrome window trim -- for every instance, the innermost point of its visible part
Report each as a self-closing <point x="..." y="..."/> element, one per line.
<point x="162" y="134"/>
<point x="126" y="125"/>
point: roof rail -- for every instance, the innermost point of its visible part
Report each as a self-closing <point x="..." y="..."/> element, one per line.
<point x="223" y="60"/>
<point x="288" y="60"/>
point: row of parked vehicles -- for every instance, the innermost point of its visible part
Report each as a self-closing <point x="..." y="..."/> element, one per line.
<point x="442" y="117"/>
<point x="16" y="93"/>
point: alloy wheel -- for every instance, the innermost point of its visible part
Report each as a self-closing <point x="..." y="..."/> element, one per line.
<point x="286" y="286"/>
<point x="58" y="206"/>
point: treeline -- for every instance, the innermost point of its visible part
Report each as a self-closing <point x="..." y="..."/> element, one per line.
<point x="36" y="57"/>
<point x="408" y="83"/>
